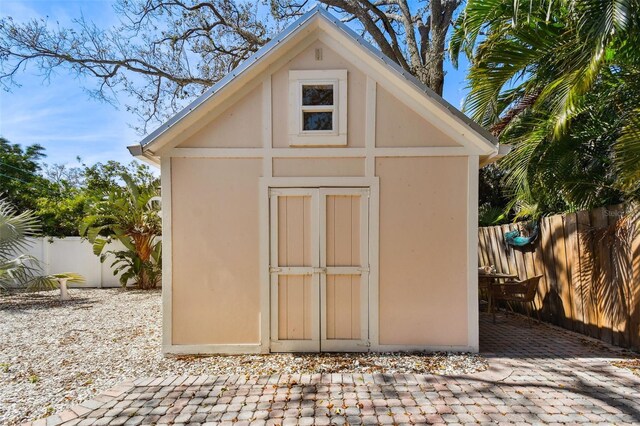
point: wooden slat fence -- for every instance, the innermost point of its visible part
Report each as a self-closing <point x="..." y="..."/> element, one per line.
<point x="590" y="267"/>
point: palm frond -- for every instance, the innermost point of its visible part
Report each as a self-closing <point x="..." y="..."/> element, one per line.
<point x="627" y="154"/>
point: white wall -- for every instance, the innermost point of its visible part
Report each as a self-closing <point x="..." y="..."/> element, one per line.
<point x="73" y="254"/>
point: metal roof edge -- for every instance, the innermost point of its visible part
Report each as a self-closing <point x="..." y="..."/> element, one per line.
<point x="287" y="32"/>
<point x="137" y="152"/>
<point x="233" y="74"/>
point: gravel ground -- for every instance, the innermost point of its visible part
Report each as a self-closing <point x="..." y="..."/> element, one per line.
<point x="55" y="354"/>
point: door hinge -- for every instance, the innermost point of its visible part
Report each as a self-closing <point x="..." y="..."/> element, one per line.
<point x="320" y="270"/>
<point x="273" y="269"/>
<point x="364" y="269"/>
<point x="366" y="343"/>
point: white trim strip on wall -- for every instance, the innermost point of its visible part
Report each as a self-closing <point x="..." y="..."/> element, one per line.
<point x="432" y="151"/>
<point x="370" y="127"/>
<point x="473" y="339"/>
<point x="267" y="131"/>
<point x="265" y="277"/>
<point x="374" y="262"/>
<point x="421" y="348"/>
<point x="242" y="348"/>
<point x="167" y="274"/>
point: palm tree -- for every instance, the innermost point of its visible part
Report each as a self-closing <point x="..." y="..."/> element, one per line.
<point x="16" y="269"/>
<point x="560" y="80"/>
<point x="131" y="216"/>
<point x="19" y="270"/>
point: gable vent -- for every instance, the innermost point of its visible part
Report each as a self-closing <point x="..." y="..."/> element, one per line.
<point x="319" y="54"/>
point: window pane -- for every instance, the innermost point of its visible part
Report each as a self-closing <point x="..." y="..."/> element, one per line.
<point x="317" y="120"/>
<point x="317" y="94"/>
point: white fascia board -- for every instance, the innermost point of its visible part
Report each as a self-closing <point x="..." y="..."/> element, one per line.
<point x="147" y="157"/>
<point x="500" y="152"/>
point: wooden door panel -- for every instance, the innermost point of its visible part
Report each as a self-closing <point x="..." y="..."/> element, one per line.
<point x="344" y="258"/>
<point x="343" y="307"/>
<point x="294" y="307"/>
<point x="294" y="231"/>
<point x="319" y="269"/>
<point x="295" y="285"/>
<point x="343" y="230"/>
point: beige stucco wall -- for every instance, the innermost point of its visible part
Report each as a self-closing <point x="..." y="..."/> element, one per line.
<point x="216" y="291"/>
<point x="317" y="167"/>
<point x="356" y="84"/>
<point x="423" y="219"/>
<point x="423" y="249"/>
<point x="397" y="125"/>
<point x="238" y="126"/>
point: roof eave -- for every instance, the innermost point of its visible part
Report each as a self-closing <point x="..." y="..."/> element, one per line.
<point x="245" y="65"/>
<point x="138" y="152"/>
<point x="501" y="151"/>
<point x="302" y="22"/>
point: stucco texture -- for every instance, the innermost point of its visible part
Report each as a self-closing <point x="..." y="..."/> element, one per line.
<point x="423" y="246"/>
<point x="216" y="292"/>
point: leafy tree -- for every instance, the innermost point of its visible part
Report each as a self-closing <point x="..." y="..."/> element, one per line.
<point x="560" y="80"/>
<point x="129" y="215"/>
<point x="103" y="177"/>
<point x="75" y="189"/>
<point x="165" y="52"/>
<point x="20" y="179"/>
<point x="492" y="200"/>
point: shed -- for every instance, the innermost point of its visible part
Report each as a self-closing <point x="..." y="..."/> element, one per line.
<point x="319" y="198"/>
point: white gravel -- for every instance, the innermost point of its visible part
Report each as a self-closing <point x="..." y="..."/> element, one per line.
<point x="55" y="354"/>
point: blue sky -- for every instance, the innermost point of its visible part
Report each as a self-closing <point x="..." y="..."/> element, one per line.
<point x="59" y="114"/>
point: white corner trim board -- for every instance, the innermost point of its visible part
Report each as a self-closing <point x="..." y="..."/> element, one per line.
<point x="473" y="320"/>
<point x="167" y="270"/>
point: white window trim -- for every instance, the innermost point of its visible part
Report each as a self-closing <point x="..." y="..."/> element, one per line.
<point x="335" y="137"/>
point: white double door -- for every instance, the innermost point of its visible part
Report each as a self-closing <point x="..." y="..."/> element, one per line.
<point x="319" y="269"/>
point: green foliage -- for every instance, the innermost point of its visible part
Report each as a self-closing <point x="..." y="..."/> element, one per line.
<point x="492" y="196"/>
<point x="59" y="195"/>
<point x="19" y="175"/>
<point x="78" y="188"/>
<point x="19" y="270"/>
<point x="131" y="216"/>
<point x="559" y="80"/>
<point x="16" y="269"/>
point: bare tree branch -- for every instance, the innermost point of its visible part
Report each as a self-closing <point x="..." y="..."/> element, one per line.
<point x="166" y="52"/>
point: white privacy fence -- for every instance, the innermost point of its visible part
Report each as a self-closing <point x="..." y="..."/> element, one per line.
<point x="73" y="254"/>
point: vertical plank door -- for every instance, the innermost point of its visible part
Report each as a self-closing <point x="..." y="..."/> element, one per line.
<point x="344" y="260"/>
<point x="294" y="271"/>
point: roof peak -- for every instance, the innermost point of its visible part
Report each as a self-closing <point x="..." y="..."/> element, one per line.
<point x="316" y="10"/>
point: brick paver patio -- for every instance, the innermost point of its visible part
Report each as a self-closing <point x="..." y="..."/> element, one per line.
<point x="538" y="374"/>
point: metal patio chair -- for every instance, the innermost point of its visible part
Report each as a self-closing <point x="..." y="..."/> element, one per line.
<point x="517" y="291"/>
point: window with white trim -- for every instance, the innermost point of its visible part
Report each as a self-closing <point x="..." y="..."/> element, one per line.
<point x="318" y="108"/>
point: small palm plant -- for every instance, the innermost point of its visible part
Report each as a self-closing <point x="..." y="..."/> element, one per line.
<point x="130" y="215"/>
<point x="19" y="270"/>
